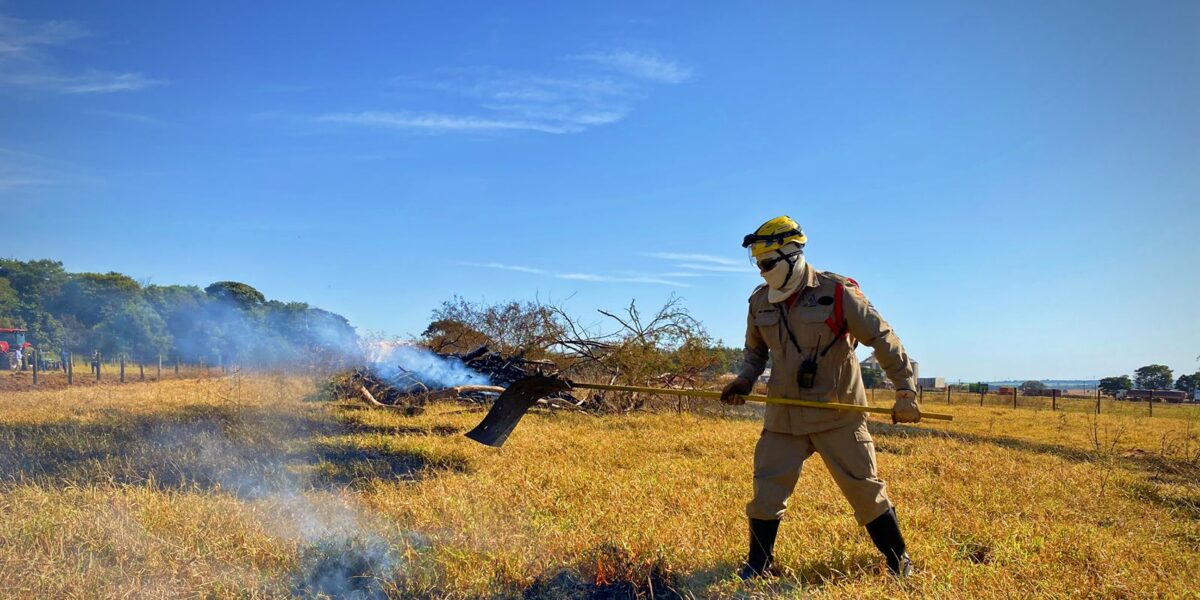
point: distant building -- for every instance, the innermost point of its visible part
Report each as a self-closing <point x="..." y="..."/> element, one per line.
<point x="870" y="362"/>
<point x="931" y="383"/>
<point x="766" y="376"/>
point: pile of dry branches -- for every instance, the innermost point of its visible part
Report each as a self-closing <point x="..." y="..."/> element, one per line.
<point x="407" y="392"/>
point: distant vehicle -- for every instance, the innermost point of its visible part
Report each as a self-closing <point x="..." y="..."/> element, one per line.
<point x="11" y="339"/>
<point x="1172" y="396"/>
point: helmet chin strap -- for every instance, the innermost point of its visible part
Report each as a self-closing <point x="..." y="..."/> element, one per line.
<point x="791" y="261"/>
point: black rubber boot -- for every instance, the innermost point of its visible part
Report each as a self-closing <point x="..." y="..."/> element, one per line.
<point x="885" y="532"/>
<point x="762" y="548"/>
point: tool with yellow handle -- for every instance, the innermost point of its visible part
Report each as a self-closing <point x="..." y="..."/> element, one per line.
<point x="522" y="394"/>
<point x="753" y="398"/>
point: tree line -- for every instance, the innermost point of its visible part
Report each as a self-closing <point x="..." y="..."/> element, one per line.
<point x="1151" y="377"/>
<point x="113" y="314"/>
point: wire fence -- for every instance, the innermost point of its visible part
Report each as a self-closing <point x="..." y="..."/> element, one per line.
<point x="1094" y="402"/>
<point x="34" y="368"/>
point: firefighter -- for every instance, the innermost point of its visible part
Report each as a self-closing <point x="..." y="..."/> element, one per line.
<point x="809" y="322"/>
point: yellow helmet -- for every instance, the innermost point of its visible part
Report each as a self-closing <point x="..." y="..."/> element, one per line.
<point x="772" y="236"/>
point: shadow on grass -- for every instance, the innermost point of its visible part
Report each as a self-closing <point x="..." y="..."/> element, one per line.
<point x="608" y="572"/>
<point x="351" y="424"/>
<point x="1148" y="462"/>
<point x="248" y="452"/>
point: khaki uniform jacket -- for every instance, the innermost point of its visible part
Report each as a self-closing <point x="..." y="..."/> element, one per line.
<point x="838" y="378"/>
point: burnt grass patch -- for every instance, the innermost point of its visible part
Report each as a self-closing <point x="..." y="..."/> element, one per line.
<point x="973" y="550"/>
<point x="345" y="568"/>
<point x="355" y="467"/>
<point x="245" y="452"/>
<point x="609" y="572"/>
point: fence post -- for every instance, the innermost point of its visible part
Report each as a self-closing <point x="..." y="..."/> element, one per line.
<point x="1014" y="397"/>
<point x="947" y="393"/>
<point x="1150" y="402"/>
<point x="981" y="394"/>
<point x="920" y="393"/>
<point x="33" y="353"/>
<point x="99" y="362"/>
<point x="1097" y="401"/>
<point x="70" y="368"/>
<point x="121" y="362"/>
<point x="158" y="373"/>
<point x="177" y="367"/>
<point x="141" y="371"/>
<point x="1053" y="399"/>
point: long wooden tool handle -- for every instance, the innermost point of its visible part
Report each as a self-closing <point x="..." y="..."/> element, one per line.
<point x="753" y="398"/>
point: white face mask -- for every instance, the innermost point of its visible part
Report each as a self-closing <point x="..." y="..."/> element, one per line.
<point x="778" y="276"/>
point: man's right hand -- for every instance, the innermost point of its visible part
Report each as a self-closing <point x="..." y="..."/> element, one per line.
<point x="734" y="390"/>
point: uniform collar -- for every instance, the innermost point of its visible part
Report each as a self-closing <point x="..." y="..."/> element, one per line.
<point x="810" y="276"/>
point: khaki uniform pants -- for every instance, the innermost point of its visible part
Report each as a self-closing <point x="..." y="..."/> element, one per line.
<point x="848" y="452"/>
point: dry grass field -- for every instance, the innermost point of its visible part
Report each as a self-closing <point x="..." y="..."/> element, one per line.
<point x="256" y="486"/>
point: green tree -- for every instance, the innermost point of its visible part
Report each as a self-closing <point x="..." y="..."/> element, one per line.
<point x="1188" y="383"/>
<point x="239" y="294"/>
<point x="113" y="313"/>
<point x="183" y="310"/>
<point x="133" y="329"/>
<point x="1153" y="377"/>
<point x="36" y="283"/>
<point x="9" y="303"/>
<point x="1033" y="385"/>
<point x="95" y="297"/>
<point x="1112" y="385"/>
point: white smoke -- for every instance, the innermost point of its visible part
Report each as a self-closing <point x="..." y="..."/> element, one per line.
<point x="344" y="551"/>
<point x="395" y="360"/>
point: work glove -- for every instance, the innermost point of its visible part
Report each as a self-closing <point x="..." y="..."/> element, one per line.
<point x="906" y="409"/>
<point x="734" y="390"/>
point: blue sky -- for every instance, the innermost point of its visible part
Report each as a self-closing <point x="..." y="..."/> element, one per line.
<point x="1014" y="184"/>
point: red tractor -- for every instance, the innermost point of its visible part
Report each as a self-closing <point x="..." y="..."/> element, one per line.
<point x="10" y="340"/>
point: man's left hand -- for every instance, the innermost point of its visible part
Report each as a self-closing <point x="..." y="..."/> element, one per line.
<point x="906" y="409"/>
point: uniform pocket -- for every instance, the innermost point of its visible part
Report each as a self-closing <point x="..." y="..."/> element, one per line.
<point x="813" y="314"/>
<point x="766" y="317"/>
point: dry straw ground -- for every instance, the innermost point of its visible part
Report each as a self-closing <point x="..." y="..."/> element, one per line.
<point x="247" y="487"/>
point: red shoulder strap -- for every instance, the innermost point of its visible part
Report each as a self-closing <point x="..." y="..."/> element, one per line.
<point x="837" y="320"/>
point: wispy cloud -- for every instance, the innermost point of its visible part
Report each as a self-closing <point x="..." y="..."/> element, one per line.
<point x="128" y="116"/>
<point x="21" y="169"/>
<point x="621" y="277"/>
<point x="702" y="264"/>
<point x="500" y="100"/>
<point x="441" y="123"/>
<point x="9" y="181"/>
<point x="714" y="268"/>
<point x="707" y="258"/>
<point x="504" y="267"/>
<point x="21" y="39"/>
<point x="650" y="67"/>
<point x="26" y="61"/>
